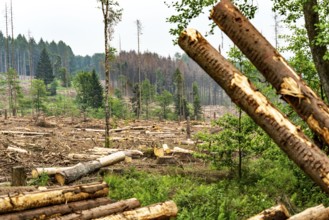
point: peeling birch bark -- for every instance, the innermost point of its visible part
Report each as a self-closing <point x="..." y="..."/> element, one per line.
<point x="273" y="66"/>
<point x="287" y="136"/>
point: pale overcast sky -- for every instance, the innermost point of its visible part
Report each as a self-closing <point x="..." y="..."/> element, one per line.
<point x="79" y="24"/>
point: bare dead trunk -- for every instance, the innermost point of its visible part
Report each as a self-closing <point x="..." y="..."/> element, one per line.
<point x="164" y="210"/>
<point x="286" y="135"/>
<point x="274" y="67"/>
<point x="318" y="51"/>
<point x="19" y="202"/>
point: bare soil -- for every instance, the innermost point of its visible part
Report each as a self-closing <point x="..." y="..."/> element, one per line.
<point x="49" y="141"/>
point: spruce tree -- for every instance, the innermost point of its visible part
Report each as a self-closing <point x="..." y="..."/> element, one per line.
<point x="196" y="100"/>
<point x="44" y="69"/>
<point x="96" y="95"/>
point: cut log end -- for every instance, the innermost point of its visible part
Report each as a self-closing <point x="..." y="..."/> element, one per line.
<point x="60" y="178"/>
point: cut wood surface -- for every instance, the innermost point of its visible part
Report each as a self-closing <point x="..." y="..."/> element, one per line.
<point x="102" y="210"/>
<point x="286" y="135"/>
<point x="157" y="211"/>
<point x="273" y="66"/>
<point x="82" y="169"/>
<point x="314" y="213"/>
<point x="24" y="201"/>
<point x="278" y="212"/>
<point x="57" y="210"/>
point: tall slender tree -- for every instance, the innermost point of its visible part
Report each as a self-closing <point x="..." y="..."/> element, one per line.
<point x="111" y="16"/>
<point x="139" y="33"/>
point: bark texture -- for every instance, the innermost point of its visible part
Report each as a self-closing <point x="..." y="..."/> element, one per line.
<point x="103" y="210"/>
<point x="286" y="135"/>
<point x="24" y="201"/>
<point x="278" y="212"/>
<point x="56" y="210"/>
<point x="316" y="213"/>
<point x="274" y="67"/>
<point x="82" y="169"/>
<point x="157" y="211"/>
<point x="322" y="66"/>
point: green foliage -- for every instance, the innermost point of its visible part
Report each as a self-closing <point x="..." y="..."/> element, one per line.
<point x="187" y="10"/>
<point x="39" y="93"/>
<point x="61" y="105"/>
<point x="148" y="93"/>
<point x="41" y="180"/>
<point x="44" y="69"/>
<point x="64" y="77"/>
<point x="196" y="101"/>
<point x="164" y="100"/>
<point x="89" y="90"/>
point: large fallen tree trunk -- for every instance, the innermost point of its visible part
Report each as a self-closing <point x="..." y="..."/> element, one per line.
<point x="56" y="210"/>
<point x="274" y="67"/>
<point x="103" y="210"/>
<point x="18" y="202"/>
<point x="318" y="213"/>
<point x="157" y="211"/>
<point x="287" y="136"/>
<point x="278" y="212"/>
<point x="82" y="169"/>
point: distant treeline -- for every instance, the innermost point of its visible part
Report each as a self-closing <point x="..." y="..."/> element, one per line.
<point x="23" y="54"/>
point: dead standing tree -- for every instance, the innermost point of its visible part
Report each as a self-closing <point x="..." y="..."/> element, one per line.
<point x="273" y="66"/>
<point x="287" y="136"/>
<point x="111" y="16"/>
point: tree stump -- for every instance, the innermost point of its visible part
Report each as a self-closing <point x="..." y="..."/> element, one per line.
<point x="18" y="176"/>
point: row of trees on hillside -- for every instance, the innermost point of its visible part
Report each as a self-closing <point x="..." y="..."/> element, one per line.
<point x="124" y="67"/>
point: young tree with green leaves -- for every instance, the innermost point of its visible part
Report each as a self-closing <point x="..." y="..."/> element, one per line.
<point x="179" y="94"/>
<point x="39" y="93"/>
<point x="148" y="92"/>
<point x="111" y="16"/>
<point x="44" y="69"/>
<point x="196" y="101"/>
<point x="165" y="99"/>
<point x="89" y="90"/>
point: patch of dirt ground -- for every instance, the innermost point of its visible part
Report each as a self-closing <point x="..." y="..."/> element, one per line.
<point x="50" y="142"/>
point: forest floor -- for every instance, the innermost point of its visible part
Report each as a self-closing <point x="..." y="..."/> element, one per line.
<point x="51" y="142"/>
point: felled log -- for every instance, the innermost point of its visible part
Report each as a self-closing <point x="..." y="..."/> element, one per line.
<point x="157" y="211"/>
<point x="82" y="169"/>
<point x="57" y="210"/>
<point x="25" y="133"/>
<point x="278" y="212"/>
<point x="318" y="213"/>
<point x="49" y="170"/>
<point x="103" y="210"/>
<point x="24" y="201"/>
<point x="273" y="66"/>
<point x="286" y="135"/>
<point x="8" y="189"/>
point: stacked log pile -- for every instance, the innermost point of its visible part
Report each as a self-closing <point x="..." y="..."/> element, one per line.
<point x="78" y="202"/>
